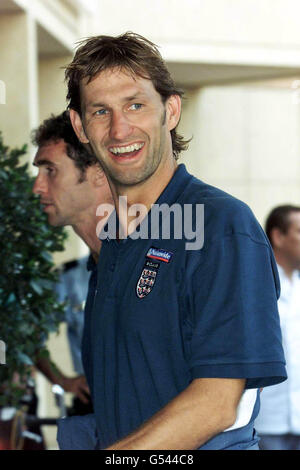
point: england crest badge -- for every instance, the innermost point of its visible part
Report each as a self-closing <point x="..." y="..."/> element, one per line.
<point x="147" y="279"/>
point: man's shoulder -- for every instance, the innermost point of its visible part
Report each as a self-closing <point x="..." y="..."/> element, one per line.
<point x="202" y="192"/>
<point x="223" y="212"/>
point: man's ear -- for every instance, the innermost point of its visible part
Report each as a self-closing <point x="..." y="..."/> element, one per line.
<point x="277" y="237"/>
<point x="78" y="127"/>
<point x="173" y="110"/>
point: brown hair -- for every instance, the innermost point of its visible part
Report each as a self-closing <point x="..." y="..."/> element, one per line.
<point x="129" y="51"/>
<point x="57" y="128"/>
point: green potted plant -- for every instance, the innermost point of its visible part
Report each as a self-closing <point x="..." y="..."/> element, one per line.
<point x="29" y="310"/>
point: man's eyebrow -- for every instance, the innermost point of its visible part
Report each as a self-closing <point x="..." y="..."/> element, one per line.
<point x="138" y="94"/>
<point x="126" y="98"/>
<point x="43" y="162"/>
<point x="95" y="105"/>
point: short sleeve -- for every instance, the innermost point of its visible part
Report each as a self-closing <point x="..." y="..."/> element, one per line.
<point x="234" y="317"/>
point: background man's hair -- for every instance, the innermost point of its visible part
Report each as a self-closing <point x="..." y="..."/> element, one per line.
<point x="130" y="52"/>
<point x="60" y="128"/>
<point x="279" y="218"/>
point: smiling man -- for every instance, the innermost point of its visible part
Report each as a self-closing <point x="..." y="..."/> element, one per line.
<point x="177" y="341"/>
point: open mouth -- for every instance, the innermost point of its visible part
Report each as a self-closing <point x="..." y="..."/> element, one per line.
<point x="126" y="151"/>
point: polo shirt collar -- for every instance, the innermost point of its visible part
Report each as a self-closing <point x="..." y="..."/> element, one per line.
<point x="170" y="195"/>
<point x="176" y="186"/>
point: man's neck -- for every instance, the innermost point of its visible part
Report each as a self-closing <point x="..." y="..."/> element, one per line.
<point x="86" y="230"/>
<point x="285" y="265"/>
<point x="144" y="194"/>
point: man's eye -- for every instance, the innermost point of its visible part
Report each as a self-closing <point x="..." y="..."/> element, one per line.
<point x="101" y="112"/>
<point x="136" y="106"/>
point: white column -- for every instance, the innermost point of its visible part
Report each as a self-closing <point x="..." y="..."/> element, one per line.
<point x="18" y="72"/>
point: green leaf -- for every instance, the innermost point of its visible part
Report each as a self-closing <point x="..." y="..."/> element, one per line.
<point x="46" y="256"/>
<point x="24" y="358"/>
<point x="36" y="287"/>
<point x="11" y="299"/>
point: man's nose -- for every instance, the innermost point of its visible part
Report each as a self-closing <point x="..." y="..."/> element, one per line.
<point x="120" y="126"/>
<point x="39" y="186"/>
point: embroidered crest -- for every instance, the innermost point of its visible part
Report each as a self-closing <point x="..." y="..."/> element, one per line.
<point x="147" y="279"/>
<point x="149" y="273"/>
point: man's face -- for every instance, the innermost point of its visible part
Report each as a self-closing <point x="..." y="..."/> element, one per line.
<point x="63" y="197"/>
<point x="290" y="241"/>
<point x="127" y="125"/>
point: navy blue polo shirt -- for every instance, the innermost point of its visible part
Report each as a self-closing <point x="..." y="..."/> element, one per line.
<point x="159" y="315"/>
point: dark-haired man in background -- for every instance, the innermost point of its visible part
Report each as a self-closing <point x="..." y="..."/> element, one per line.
<point x="71" y="185"/>
<point x="178" y="339"/>
<point x="278" y="422"/>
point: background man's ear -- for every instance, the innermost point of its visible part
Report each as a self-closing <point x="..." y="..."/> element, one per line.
<point x="173" y="108"/>
<point x="277" y="237"/>
<point x="78" y="127"/>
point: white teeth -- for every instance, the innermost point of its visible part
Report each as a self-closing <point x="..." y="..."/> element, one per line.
<point x="129" y="148"/>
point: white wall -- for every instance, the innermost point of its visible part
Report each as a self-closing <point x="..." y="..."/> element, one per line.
<point x="263" y="22"/>
<point x="246" y="141"/>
